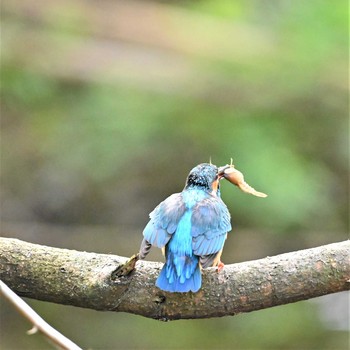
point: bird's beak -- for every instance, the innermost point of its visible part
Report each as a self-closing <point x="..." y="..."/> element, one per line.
<point x="236" y="178"/>
<point x="221" y="170"/>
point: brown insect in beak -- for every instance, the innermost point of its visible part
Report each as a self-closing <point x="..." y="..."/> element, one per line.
<point x="236" y="177"/>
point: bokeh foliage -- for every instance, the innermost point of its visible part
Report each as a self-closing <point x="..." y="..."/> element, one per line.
<point x="107" y="105"/>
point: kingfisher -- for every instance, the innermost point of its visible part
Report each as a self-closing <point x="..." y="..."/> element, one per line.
<point x="191" y="227"/>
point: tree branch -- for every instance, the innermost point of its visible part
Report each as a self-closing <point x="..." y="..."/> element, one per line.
<point x="85" y="280"/>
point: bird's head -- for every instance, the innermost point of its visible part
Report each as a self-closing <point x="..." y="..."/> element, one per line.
<point x="204" y="176"/>
<point x="207" y="177"/>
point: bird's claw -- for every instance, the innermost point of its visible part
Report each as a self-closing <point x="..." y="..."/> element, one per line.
<point x="127" y="268"/>
<point x="220" y="266"/>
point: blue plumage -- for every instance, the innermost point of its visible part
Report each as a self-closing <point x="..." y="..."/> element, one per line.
<point x="192" y="227"/>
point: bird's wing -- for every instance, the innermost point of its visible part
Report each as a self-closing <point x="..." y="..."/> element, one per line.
<point x="210" y="224"/>
<point x="164" y="220"/>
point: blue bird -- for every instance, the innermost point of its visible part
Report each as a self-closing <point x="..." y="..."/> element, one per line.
<point x="191" y="227"/>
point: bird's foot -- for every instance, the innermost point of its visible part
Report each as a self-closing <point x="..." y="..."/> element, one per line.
<point x="220" y="266"/>
<point x="127" y="268"/>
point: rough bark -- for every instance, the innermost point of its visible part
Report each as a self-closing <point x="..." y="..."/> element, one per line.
<point x="85" y="280"/>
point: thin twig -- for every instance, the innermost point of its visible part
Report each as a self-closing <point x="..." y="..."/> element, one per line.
<point x="39" y="324"/>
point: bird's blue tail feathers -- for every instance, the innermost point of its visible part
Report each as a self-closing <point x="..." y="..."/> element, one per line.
<point x="180" y="274"/>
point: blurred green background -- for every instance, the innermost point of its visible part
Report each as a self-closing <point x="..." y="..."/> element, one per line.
<point x="107" y="105"/>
